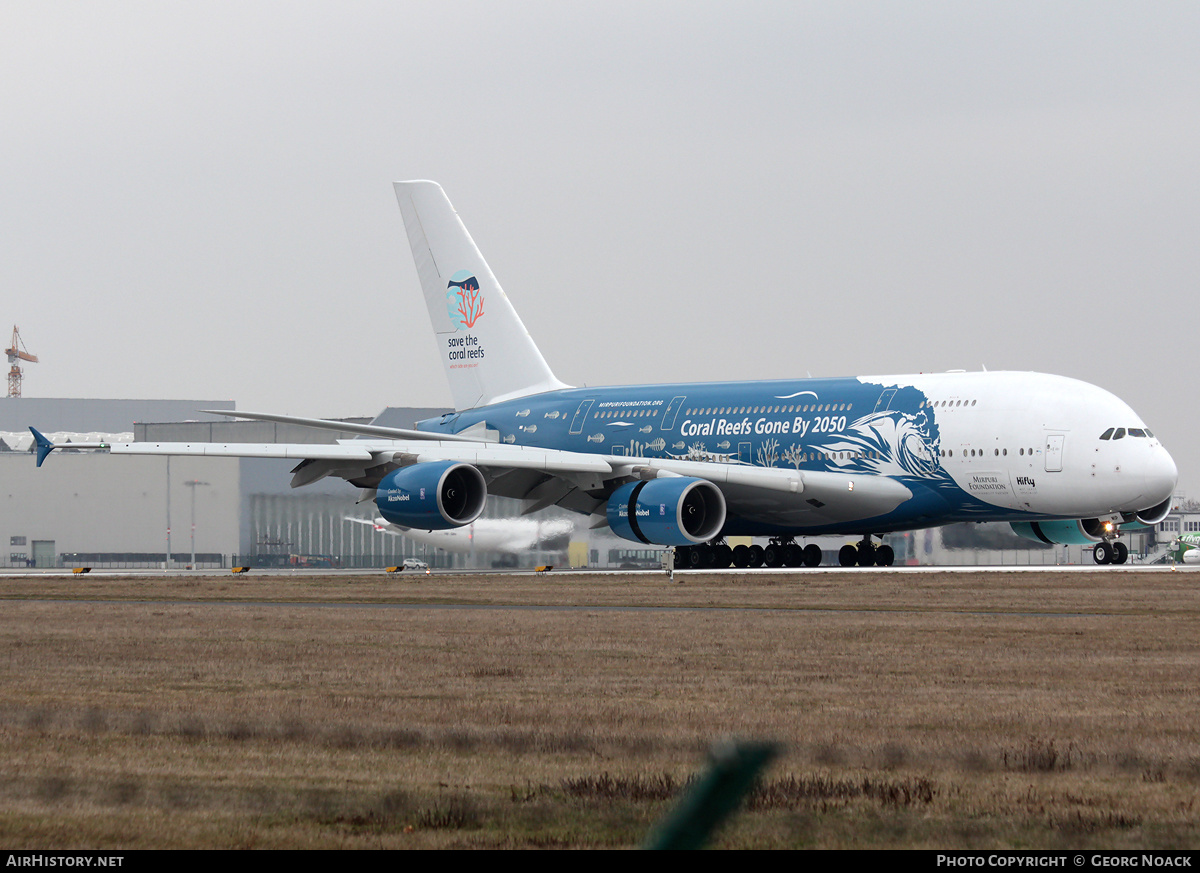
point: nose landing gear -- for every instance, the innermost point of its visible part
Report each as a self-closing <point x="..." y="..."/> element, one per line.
<point x="1110" y="552"/>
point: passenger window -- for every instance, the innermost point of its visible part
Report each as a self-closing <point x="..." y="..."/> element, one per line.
<point x="1107" y="434"/>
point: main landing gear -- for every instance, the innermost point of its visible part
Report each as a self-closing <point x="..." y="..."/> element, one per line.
<point x="1110" y="552"/>
<point x="779" y="552"/>
<point x="866" y="554"/>
<point x="703" y="557"/>
<point x="786" y="552"/>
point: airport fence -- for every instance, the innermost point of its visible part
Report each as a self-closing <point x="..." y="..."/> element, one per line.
<point x="117" y="561"/>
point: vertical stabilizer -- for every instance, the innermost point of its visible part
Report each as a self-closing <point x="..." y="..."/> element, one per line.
<point x="488" y="354"/>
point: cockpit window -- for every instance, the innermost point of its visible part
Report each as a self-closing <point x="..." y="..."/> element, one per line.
<point x="1107" y="434"/>
<point x="1137" y="432"/>
<point x="1119" y="434"/>
<point x="1148" y="433"/>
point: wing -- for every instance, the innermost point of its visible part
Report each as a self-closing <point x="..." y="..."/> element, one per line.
<point x="576" y="481"/>
<point x="470" y="435"/>
<point x="361" y="462"/>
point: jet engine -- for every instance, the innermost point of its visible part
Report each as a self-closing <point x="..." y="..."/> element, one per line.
<point x="1148" y="517"/>
<point x="670" y="511"/>
<point x="1080" y="532"/>
<point x="437" y="495"/>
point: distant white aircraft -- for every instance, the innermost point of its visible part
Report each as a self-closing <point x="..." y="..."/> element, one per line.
<point x="508" y="535"/>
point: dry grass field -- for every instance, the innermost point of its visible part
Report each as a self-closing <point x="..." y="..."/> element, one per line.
<point x="952" y="710"/>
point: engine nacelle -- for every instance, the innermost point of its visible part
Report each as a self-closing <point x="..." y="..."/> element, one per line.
<point x="1079" y="532"/>
<point x="672" y="511"/>
<point x="1147" y="517"/>
<point x="437" y="495"/>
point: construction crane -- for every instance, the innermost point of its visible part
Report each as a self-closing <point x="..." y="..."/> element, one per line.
<point x="17" y="352"/>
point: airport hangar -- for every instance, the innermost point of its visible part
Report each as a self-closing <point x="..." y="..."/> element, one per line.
<point x="96" y="509"/>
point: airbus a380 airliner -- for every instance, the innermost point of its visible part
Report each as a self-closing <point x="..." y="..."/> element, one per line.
<point x="687" y="465"/>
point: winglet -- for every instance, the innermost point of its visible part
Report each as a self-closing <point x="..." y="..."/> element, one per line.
<point x="44" y="446"/>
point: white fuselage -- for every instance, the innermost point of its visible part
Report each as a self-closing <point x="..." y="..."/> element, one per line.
<point x="1030" y="441"/>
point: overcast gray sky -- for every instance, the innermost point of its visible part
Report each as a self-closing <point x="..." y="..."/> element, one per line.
<point x="197" y="198"/>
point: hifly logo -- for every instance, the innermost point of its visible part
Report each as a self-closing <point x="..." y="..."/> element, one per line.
<point x="464" y="302"/>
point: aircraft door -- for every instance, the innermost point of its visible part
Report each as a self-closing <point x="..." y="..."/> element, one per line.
<point x="1054" y="452"/>
<point x="668" y="419"/>
<point x="580" y="416"/>
<point x="885" y="400"/>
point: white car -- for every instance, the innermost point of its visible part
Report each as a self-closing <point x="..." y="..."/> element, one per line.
<point x="414" y="564"/>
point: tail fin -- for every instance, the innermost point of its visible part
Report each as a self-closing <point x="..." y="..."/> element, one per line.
<point x="488" y="354"/>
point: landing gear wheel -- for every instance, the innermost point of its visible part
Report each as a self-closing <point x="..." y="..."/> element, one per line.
<point x="885" y="556"/>
<point x="722" y="556"/>
<point x="812" y="555"/>
<point x="773" y="555"/>
<point x="1120" y="552"/>
<point x="741" y="556"/>
<point x="756" y="556"/>
<point x="682" y="558"/>
<point x="848" y="556"/>
<point x="866" y="554"/>
<point x="700" y="557"/>
<point x="793" y="555"/>
<point x="1102" y="553"/>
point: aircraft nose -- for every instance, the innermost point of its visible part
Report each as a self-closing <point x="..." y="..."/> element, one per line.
<point x="1161" y="475"/>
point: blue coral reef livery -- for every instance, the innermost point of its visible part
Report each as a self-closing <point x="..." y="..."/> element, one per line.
<point x="688" y="465"/>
